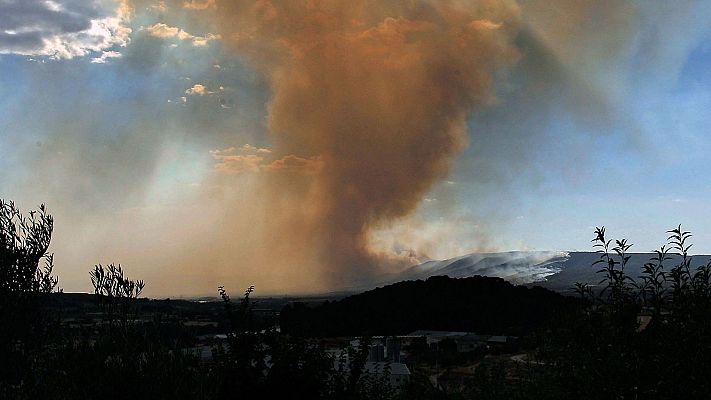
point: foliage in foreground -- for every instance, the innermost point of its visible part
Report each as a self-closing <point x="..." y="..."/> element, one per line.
<point x="126" y="357"/>
<point x="641" y="337"/>
<point x="633" y="337"/>
<point x="24" y="286"/>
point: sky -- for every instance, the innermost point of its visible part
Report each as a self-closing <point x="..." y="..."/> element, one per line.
<point x="305" y="146"/>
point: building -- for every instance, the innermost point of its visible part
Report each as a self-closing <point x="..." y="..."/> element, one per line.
<point x="470" y="342"/>
<point x="393" y="349"/>
<point x="434" y="337"/>
<point x="399" y="373"/>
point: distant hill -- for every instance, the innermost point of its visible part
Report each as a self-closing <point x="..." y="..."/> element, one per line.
<point x="555" y="270"/>
<point x="473" y="304"/>
<point x="578" y="268"/>
<point x="518" y="267"/>
<point x="85" y="305"/>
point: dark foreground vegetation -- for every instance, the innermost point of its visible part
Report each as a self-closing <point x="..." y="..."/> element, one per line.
<point x="477" y="304"/>
<point x="629" y="337"/>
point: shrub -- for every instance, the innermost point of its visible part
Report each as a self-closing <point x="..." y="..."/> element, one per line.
<point x="25" y="283"/>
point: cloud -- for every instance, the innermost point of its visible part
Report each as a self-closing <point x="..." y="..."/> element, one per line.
<point x="197" y="89"/>
<point x="292" y="163"/>
<point x="484" y="24"/>
<point x="105" y="56"/>
<point x="61" y="29"/>
<point x="161" y="30"/>
<point x="164" y="31"/>
<point x="237" y="163"/>
<point x="250" y="148"/>
<point x="235" y="160"/>
<point x="199" y="5"/>
<point x="245" y="149"/>
<point x="204" y="40"/>
<point x="249" y="158"/>
<point x="160" y="6"/>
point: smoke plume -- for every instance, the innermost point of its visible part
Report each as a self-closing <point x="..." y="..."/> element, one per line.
<point x="300" y="145"/>
<point x="374" y="97"/>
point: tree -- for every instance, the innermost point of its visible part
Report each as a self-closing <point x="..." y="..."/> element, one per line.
<point x="24" y="284"/>
<point x="115" y="293"/>
<point x="24" y="242"/>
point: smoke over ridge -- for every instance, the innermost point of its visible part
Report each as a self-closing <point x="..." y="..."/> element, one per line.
<point x="303" y="146"/>
<point x="377" y="93"/>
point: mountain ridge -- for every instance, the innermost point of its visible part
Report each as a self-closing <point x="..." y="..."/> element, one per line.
<point x="555" y="270"/>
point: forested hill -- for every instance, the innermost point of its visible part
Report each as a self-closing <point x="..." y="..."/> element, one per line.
<point x="476" y="304"/>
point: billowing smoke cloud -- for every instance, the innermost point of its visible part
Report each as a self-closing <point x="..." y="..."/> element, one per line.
<point x="376" y="93"/>
<point x="143" y="158"/>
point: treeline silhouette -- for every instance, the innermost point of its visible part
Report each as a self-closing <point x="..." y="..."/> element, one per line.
<point x="477" y="304"/>
<point x="24" y="286"/>
<point x="124" y="357"/>
<point x="629" y="337"/>
<point x="646" y="337"/>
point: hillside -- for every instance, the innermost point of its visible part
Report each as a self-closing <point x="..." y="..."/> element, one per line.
<point x="474" y="304"/>
<point x="555" y="270"/>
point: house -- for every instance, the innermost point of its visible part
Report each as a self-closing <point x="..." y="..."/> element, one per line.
<point x="393" y="349"/>
<point x="471" y="342"/>
<point x="503" y="343"/>
<point x="399" y="373"/>
<point x="498" y="340"/>
<point x="434" y="337"/>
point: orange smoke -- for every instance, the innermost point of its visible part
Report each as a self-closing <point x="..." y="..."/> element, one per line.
<point x="376" y="92"/>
